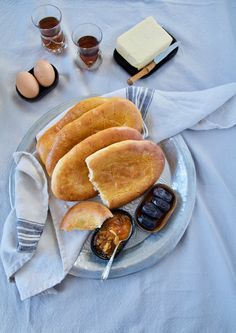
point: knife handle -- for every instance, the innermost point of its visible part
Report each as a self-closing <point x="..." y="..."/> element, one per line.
<point x="141" y="73"/>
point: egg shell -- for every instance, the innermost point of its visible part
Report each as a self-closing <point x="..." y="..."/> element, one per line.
<point x="44" y="73"/>
<point x="27" y="84"/>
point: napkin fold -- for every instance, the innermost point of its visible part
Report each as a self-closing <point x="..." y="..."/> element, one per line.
<point x="25" y="223"/>
<point x="33" y="249"/>
<point x="31" y="201"/>
<point x="167" y="113"/>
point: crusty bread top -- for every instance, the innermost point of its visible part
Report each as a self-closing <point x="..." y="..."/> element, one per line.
<point x="123" y="171"/>
<point x="116" y="112"/>
<point x="45" y="142"/>
<point x="86" y="215"/>
<point x="70" y="177"/>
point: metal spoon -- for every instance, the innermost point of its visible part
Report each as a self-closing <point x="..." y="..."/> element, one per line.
<point x="107" y="269"/>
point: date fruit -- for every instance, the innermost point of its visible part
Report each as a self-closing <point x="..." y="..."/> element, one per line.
<point x="147" y="222"/>
<point x="151" y="210"/>
<point x="162" y="204"/>
<point x="163" y="194"/>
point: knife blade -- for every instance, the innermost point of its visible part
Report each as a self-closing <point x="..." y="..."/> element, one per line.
<point x="165" y="53"/>
<point x="152" y="64"/>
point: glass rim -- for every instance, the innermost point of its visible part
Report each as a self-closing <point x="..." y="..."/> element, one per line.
<point x="84" y="24"/>
<point x="46" y="5"/>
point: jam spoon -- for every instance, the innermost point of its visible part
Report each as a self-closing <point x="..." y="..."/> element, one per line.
<point x="107" y="269"/>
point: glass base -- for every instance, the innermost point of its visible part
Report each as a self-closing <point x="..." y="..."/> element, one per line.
<point x="53" y="46"/>
<point x="58" y="50"/>
<point x="81" y="64"/>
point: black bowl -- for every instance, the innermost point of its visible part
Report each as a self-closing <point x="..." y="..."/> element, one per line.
<point x="42" y="90"/>
<point x="122" y="245"/>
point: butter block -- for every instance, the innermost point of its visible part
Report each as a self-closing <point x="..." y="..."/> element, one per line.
<point x="142" y="43"/>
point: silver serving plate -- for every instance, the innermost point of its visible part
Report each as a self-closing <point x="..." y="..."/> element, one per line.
<point x="143" y="250"/>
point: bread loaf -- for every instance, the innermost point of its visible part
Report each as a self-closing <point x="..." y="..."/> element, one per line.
<point x="116" y="112"/>
<point x="45" y="142"/>
<point x="70" y="177"/>
<point x="123" y="171"/>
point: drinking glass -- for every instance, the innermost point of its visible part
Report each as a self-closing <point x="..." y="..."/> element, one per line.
<point x="47" y="18"/>
<point x="87" y="37"/>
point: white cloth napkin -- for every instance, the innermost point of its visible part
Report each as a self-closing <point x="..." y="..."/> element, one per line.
<point x="40" y="260"/>
<point x="33" y="249"/>
<point x="24" y="233"/>
<point x="167" y="113"/>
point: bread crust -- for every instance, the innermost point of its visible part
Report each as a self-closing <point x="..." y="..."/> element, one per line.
<point x="45" y="142"/>
<point x="70" y="177"/>
<point x="87" y="215"/>
<point x="123" y="171"/>
<point x="116" y="112"/>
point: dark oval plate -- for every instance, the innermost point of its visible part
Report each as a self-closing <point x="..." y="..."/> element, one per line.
<point x="42" y="90"/>
<point x="121" y="246"/>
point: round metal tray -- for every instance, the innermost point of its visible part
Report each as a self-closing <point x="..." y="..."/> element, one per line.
<point x="143" y="249"/>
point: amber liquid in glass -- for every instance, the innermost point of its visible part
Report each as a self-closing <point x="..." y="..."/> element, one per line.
<point x="51" y="33"/>
<point x="88" y="49"/>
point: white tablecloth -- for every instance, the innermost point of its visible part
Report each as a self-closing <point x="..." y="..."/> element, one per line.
<point x="194" y="288"/>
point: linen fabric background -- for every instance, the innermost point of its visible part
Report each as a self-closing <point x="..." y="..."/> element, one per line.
<point x="194" y="288"/>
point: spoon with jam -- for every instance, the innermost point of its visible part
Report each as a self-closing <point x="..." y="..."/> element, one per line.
<point x="117" y="241"/>
<point x="107" y="269"/>
<point x="110" y="239"/>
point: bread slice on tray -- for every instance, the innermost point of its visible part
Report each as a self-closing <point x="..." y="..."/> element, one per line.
<point x="123" y="171"/>
<point x="85" y="215"/>
<point x="70" y="177"/>
<point x="116" y="112"/>
<point x="45" y="142"/>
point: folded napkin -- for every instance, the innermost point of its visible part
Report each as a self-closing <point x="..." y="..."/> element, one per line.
<point x="33" y="249"/>
<point x="169" y="113"/>
<point x="31" y="190"/>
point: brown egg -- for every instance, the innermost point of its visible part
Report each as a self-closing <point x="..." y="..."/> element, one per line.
<point x="27" y="84"/>
<point x="44" y="73"/>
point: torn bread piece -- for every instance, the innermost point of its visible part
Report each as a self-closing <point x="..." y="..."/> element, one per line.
<point x="86" y="215"/>
<point x="123" y="171"/>
<point x="70" y="177"/>
<point x="116" y="112"/>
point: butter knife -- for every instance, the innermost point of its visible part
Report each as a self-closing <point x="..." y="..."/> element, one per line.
<point x="152" y="64"/>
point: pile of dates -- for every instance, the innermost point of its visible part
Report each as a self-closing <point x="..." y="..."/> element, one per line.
<point x="157" y="206"/>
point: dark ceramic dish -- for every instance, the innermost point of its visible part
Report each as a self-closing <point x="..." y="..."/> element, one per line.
<point x="42" y="90"/>
<point x="164" y="207"/>
<point x="122" y="245"/>
<point x="133" y="70"/>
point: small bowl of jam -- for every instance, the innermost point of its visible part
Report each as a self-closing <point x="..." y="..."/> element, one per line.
<point x="156" y="208"/>
<point x="114" y="230"/>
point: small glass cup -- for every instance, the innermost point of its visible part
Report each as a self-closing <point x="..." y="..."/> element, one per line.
<point x="47" y="19"/>
<point x="87" y="37"/>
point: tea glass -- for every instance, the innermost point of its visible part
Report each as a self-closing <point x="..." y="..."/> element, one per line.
<point x="87" y="37"/>
<point x="47" y="18"/>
